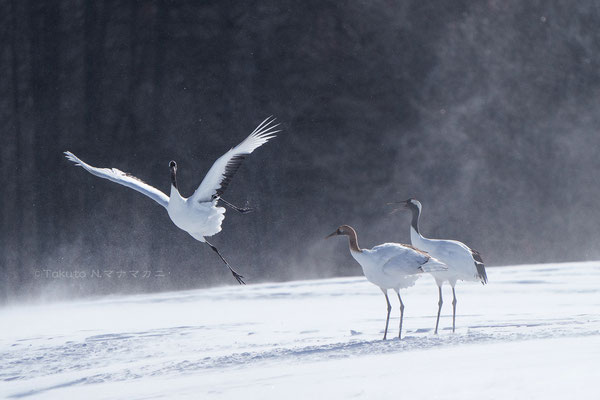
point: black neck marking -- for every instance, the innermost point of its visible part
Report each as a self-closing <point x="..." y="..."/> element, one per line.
<point x="174" y="177"/>
<point x="415" y="216"/>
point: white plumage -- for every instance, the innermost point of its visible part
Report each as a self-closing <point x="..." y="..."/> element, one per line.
<point x="463" y="262"/>
<point x="199" y="219"/>
<point x="390" y="266"/>
<point x="395" y="266"/>
<point x="199" y="214"/>
<point x="122" y="178"/>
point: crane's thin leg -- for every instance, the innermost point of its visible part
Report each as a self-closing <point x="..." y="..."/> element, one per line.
<point x="440" y="302"/>
<point x="241" y="210"/>
<point x="453" y="310"/>
<point x="237" y="276"/>
<point x="389" y="308"/>
<point x="401" y="315"/>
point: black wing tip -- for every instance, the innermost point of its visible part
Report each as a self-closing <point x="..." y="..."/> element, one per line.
<point x="230" y="170"/>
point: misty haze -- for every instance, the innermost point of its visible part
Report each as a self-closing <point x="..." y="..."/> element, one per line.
<point x="487" y="113"/>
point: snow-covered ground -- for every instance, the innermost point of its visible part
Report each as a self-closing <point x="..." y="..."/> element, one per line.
<point x="532" y="332"/>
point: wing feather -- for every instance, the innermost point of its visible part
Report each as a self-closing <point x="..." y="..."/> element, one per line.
<point x="481" y="274"/>
<point x="122" y="178"/>
<point x="222" y="171"/>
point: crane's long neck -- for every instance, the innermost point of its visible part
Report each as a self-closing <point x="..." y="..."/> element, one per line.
<point x="353" y="240"/>
<point x="416" y="214"/>
<point x="174" y="177"/>
<point x="416" y="238"/>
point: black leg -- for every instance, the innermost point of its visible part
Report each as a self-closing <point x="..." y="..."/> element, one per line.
<point x="389" y="308"/>
<point x="237" y="276"/>
<point x="453" y="309"/>
<point x="401" y="315"/>
<point x="440" y="302"/>
<point x="241" y="210"/>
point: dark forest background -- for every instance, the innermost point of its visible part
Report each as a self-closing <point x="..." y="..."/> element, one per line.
<point x="488" y="112"/>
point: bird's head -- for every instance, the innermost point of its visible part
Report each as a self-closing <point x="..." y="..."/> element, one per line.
<point x="409" y="204"/>
<point x="341" y="231"/>
<point x="172" y="165"/>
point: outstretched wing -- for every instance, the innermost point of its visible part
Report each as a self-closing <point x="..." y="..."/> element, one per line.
<point x="122" y="178"/>
<point x="218" y="177"/>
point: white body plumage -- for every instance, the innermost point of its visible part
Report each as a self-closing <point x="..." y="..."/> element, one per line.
<point x="199" y="219"/>
<point x="458" y="257"/>
<point x="395" y="266"/>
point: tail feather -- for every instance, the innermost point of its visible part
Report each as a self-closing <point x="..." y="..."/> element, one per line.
<point x="481" y="274"/>
<point x="433" y="265"/>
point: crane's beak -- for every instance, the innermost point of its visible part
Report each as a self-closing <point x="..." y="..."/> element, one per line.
<point x="403" y="206"/>
<point x="333" y="234"/>
<point x="404" y="203"/>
